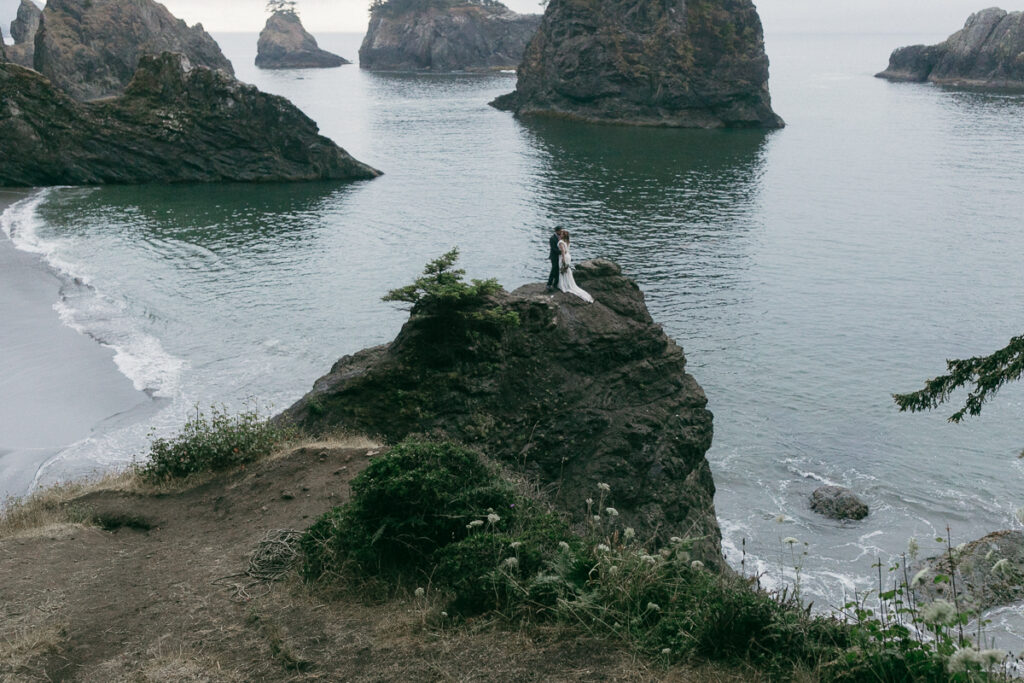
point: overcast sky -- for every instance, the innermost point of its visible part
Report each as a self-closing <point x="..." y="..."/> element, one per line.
<point x="936" y="17"/>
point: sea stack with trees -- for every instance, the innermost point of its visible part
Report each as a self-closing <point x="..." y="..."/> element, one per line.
<point x="444" y="35"/>
<point x="285" y="44"/>
<point x="987" y="52"/>
<point x="698" y="64"/>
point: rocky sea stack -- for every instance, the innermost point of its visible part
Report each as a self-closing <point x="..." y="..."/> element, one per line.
<point x="572" y="395"/>
<point x="91" y="48"/>
<point x="23" y="31"/>
<point x="439" y="35"/>
<point x="285" y="44"/>
<point x="693" y="64"/>
<point x="988" y="52"/>
<point x="175" y="123"/>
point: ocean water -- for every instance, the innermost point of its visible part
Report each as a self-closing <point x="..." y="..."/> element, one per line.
<point x="808" y="273"/>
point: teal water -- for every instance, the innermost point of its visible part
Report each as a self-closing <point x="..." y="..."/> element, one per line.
<point x="808" y="273"/>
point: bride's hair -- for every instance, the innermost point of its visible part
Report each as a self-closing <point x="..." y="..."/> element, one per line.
<point x="565" y="235"/>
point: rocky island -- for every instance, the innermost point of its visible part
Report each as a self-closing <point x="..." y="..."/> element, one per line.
<point x="176" y="122"/>
<point x="23" y="31"/>
<point x="285" y="44"/>
<point x="443" y="35"/>
<point x="987" y="52"/>
<point x="91" y="48"/>
<point x="573" y="395"/>
<point x="696" y="64"/>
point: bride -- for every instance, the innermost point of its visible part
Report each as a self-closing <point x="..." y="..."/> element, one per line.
<point x="566" y="282"/>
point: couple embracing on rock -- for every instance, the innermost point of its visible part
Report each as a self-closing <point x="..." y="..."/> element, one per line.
<point x="561" y="267"/>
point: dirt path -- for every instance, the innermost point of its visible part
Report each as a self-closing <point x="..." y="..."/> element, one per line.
<point x="141" y="601"/>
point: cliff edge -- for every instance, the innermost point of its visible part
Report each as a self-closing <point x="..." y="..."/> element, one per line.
<point x="692" y="64"/>
<point x="573" y="395"/>
<point x="987" y="52"/>
<point x="438" y="36"/>
<point x="285" y="44"/>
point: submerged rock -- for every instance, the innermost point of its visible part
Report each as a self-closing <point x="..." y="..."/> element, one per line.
<point x="694" y="64"/>
<point x="989" y="572"/>
<point x="574" y="395"/>
<point x="838" y="502"/>
<point x="415" y="36"/>
<point x="91" y="48"/>
<point x="987" y="52"/>
<point x="285" y="44"/>
<point x="23" y="31"/>
<point x="175" y="123"/>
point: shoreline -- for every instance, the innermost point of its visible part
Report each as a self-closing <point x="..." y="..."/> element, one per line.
<point x="57" y="386"/>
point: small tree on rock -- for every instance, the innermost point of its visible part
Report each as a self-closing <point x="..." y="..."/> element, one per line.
<point x="282" y="7"/>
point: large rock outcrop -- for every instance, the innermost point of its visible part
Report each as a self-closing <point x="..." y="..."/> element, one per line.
<point x="175" y="123"/>
<point x="987" y="52"/>
<point x="989" y="573"/>
<point x="574" y="395"/>
<point x="23" y="31"/>
<point x="91" y="48"/>
<point x="285" y="44"/>
<point x="424" y="36"/>
<point x="686" y="63"/>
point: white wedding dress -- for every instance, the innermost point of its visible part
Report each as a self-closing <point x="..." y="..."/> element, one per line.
<point x="566" y="282"/>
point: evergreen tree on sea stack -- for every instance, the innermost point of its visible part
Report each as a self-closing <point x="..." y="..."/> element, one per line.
<point x="282" y="7"/>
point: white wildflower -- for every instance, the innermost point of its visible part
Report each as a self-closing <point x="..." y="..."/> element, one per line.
<point x="597" y="519"/>
<point x="962" y="659"/>
<point x="493" y="518"/>
<point x="611" y="512"/>
<point x="667" y="651"/>
<point x="675" y="540"/>
<point x="919" y="577"/>
<point x="603" y="487"/>
<point x="474" y="523"/>
<point x="779" y="519"/>
<point x="602" y="548"/>
<point x="665" y="552"/>
<point x="512" y="563"/>
<point x="649" y="559"/>
<point x="1003" y="568"/>
<point x="590" y="501"/>
<point x="444" y="614"/>
<point x="515" y="545"/>
<point x="614" y="569"/>
<point x="563" y="546"/>
<point x="420" y="592"/>
<point x="653" y="607"/>
<point x="913" y="548"/>
<point x="938" y="612"/>
<point x="790" y="540"/>
<point x="990" y="658"/>
<point x="629" y="533"/>
<point x="990" y="553"/>
<point x="697" y="564"/>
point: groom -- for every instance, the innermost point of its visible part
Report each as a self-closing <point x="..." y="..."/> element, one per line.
<point x="553" y="256"/>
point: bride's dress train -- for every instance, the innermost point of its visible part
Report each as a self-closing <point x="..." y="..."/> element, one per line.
<point x="566" y="282"/>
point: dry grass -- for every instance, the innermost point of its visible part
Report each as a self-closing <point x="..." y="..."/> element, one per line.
<point x="55" y="511"/>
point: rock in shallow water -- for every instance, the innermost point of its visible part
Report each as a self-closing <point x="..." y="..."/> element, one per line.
<point x="987" y="52"/>
<point x="694" y="64"/>
<point x="175" y="123"/>
<point x="576" y="394"/>
<point x="838" y="503"/>
<point x="91" y="48"/>
<point x="457" y="38"/>
<point x="285" y="44"/>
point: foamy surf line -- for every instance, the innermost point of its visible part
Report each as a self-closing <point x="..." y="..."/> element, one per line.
<point x="88" y="310"/>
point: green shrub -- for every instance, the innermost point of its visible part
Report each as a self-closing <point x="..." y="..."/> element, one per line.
<point x="217" y="442"/>
<point x="407" y="503"/>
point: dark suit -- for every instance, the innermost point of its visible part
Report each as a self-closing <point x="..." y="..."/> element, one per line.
<point x="554" y="255"/>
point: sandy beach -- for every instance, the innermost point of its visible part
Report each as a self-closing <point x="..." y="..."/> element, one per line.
<point x="57" y="386"/>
